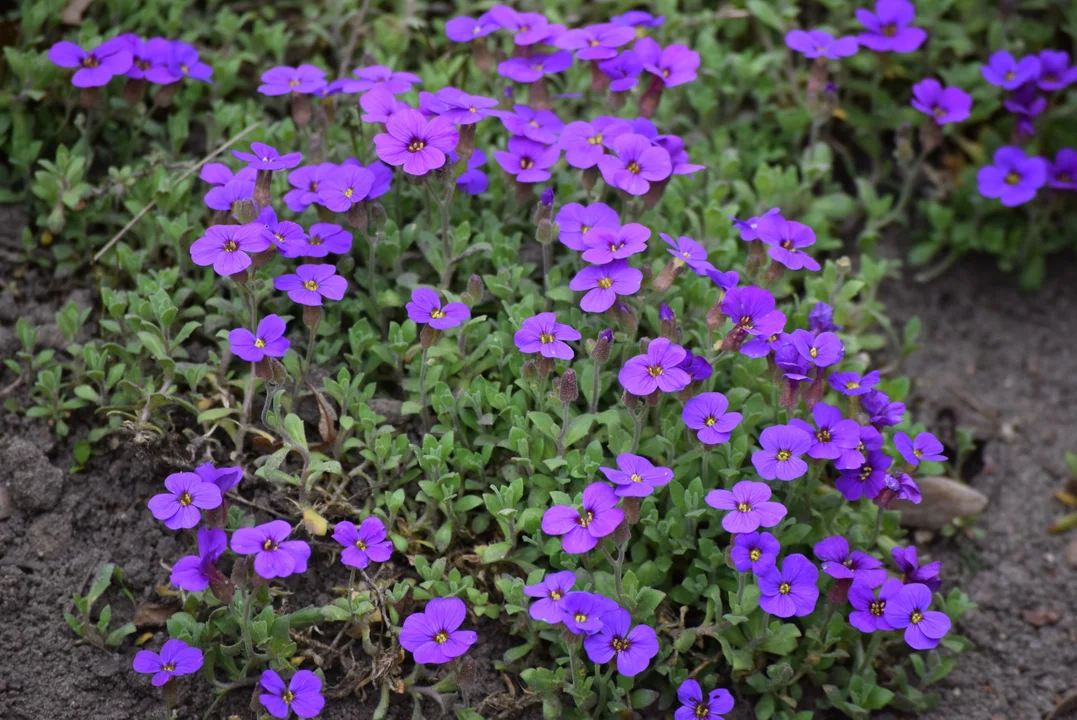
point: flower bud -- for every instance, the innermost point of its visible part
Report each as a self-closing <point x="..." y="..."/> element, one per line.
<point x="546" y="199"/>
<point x="528" y="371"/>
<point x="301" y="110"/>
<point x="312" y="315"/>
<point x="844" y="264"/>
<point x="545" y="366"/>
<point x="465" y="147"/>
<point x="930" y="136"/>
<point x="568" y="390"/>
<point x="600" y="353"/>
<point x="443" y="174"/>
<point x="623" y="533"/>
<point x="544" y="234"/>
<point x="775" y="271"/>
<point x="133" y="91"/>
<point x="667" y="322"/>
<point x="600" y="81"/>
<point x="358" y="216"/>
<point x="377" y="215"/>
<point x="465" y="671"/>
<point x="903" y="149"/>
<point x="733" y="339"/>
<point x="667" y="275"/>
<point x="648" y="275"/>
<point x="428" y="336"/>
<point x="654" y="194"/>
<point x="627" y="317"/>
<point x="474" y="288"/>
<point x="630" y="401"/>
<point x="788" y="397"/>
<point x="484" y="61"/>
<point x="648" y="102"/>
<point x="588" y="178"/>
<point x="715" y="316"/>
<point x="263" y="188"/>
<point x="630" y="506"/>
<point x="644" y="343"/>
<point x="654" y="397"/>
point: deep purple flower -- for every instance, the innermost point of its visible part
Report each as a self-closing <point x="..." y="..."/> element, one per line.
<point x="898" y="486"/>
<point x="1055" y="70"/>
<point x="194" y="573"/>
<point x="881" y="410"/>
<point x="822" y="350"/>
<point x="302" y="695"/>
<point x="345" y="186"/>
<point x="180" y="61"/>
<point x="585" y="143"/>
<point x="821" y="319"/>
<point x="751" y="506"/>
<point x="311" y="283"/>
<point x="1009" y="74"/>
<point x="224" y="478"/>
<point x="749" y="229"/>
<point x="582" y="529"/>
<point x="433" y="636"/>
<point x="636" y="476"/>
<point x="466" y="29"/>
<point x="176" y="658"/>
<point x="417" y="145"/>
<point x="754" y="551"/>
<point x="1027" y="104"/>
<point x="639" y="19"/>
<point x="780" y="457"/>
<point x="925" y="447"/>
<point x="656" y="370"/>
<point x="678" y="155"/>
<point x="576" y="221"/>
<point x="379" y="105"/>
<point x="1062" y="173"/>
<point x="790" y="591"/>
<point x="752" y="311"/>
<point x="724" y="280"/>
<point x="888" y="28"/>
<point x="840" y="564"/>
<point x="327" y="238"/>
<point x="274" y="555"/>
<point x="945" y="105"/>
<point x="604" y="245"/>
<point x="697" y="366"/>
<point x="145" y="54"/>
<point x="375" y="76"/>
<point x="473" y="181"/>
<point x="529" y="161"/>
<point x="364" y="543"/>
<point x="305" y="182"/>
<point x="181" y="507"/>
<point x="818" y="43"/>
<point x="853" y="458"/>
<point x="225" y="247"/>
<point x="689" y="252"/>
<point x="266" y="157"/>
<point x="832" y="435"/>
<point x="539" y="125"/>
<point x="527" y="28"/>
<point x="706" y="414"/>
<point x="225" y="197"/>
<point x="785" y="239"/>
<point x="535" y="67"/>
<point x="604" y="283"/>
<point x="268" y="342"/>
<point x="219" y="175"/>
<point x="909" y="609"/>
<point x="694" y="707"/>
<point x="675" y="66"/>
<point x="596" y="42"/>
<point x="911" y="570"/>
<point x="464" y="109"/>
<point x="637" y="164"/>
<point x="632" y="646"/>
<point x="96" y="68"/>
<point x="623" y="70"/>
<point x="542" y="334"/>
<point x="425" y="307"/>
<point x="281" y="80"/>
<point x="852" y="384"/>
<point x="552" y="591"/>
<point x="289" y="237"/>
<point x="866" y="481"/>
<point x="869" y="610"/>
<point x="583" y="612"/>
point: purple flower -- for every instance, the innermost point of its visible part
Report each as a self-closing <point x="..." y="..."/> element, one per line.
<point x="790" y="591"/>
<point x="675" y="66"/>
<point x="539" y="125"/>
<point x="840" y="564"/>
<point x="638" y="19"/>
<point x="552" y="592"/>
<point x="817" y="43"/>
<point x="908" y="608"/>
<point x="822" y="350"/>
<point x="623" y="70"/>
<point x="866" y="481"/>
<point x="289" y="237"/>
<point x="464" y="109"/>
<point x="1026" y="103"/>
<point x="697" y="366"/>
<point x="527" y="28"/>
<point x="303" y="694"/>
<point x="145" y="54"/>
<point x="636" y="476"/>
<point x="925" y="447"/>
<point x="585" y="143"/>
<point x="465" y="29"/>
<point x="751" y="504"/>
<point x="1055" y="71"/>
<point x="694" y="707"/>
<point x="281" y="80"/>
<point x="852" y="384"/>
<point x="632" y="646"/>
<point x="576" y="221"/>
<point x="604" y="283"/>
<point x="725" y="280"/>
<point x="706" y="414"/>
<point x="176" y="658"/>
<point x="821" y="319"/>
<point x="1062" y="173"/>
<point x="780" y="457"/>
<point x="945" y="105"/>
<point x="274" y="555"/>
<point x="882" y="412"/>
<point x="535" y="67"/>
<point x="596" y="42"/>
<point x="194" y="573"/>
<point x="345" y="186"/>
<point x="1009" y="74"/>
<point x="380" y="76"/>
<point x="225" y="247"/>
<point x="868" y="613"/>
<point x="327" y="238"/>
<point x="181" y="507"/>
<point x="311" y="283"/>
<point x="433" y="636"/>
<point x="689" y="252"/>
<point x="473" y="181"/>
<point x="749" y="229"/>
<point x="911" y="570"/>
<point x="583" y="612"/>
<point x="266" y="157"/>
<point x="529" y="161"/>
<point x="870" y="439"/>
<point x="656" y="370"/>
<point x="637" y="164"/>
<point x="582" y="529"/>
<point x="379" y="105"/>
<point x="417" y="145"/>
<point x="785" y="238"/>
<point x="224" y="478"/>
<point x="180" y="61"/>
<point x="364" y="543"/>
<point x="219" y="174"/>
<point x="752" y="311"/>
<point x="425" y="307"/>
<point x="754" y="551"/>
<point x="224" y="197"/>
<point x="898" y="486"/>
<point x="305" y="182"/>
<point x="888" y="27"/>
<point x="542" y="334"/>
<point x="832" y="435"/>
<point x="96" y="68"/>
<point x="604" y="245"/>
<point x="268" y="342"/>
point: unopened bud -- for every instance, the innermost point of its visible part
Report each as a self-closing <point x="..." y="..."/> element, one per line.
<point x="930" y="136"/>
<point x="627" y="317"/>
<point x="544" y="233"/>
<point x="733" y="339"/>
<point x="715" y="316"/>
<point x="623" y="533"/>
<point x="568" y="390"/>
<point x="667" y="322"/>
<point x="377" y="215"/>
<point x="134" y="90"/>
<point x="600" y="353"/>
<point x="775" y="271"/>
<point x="648" y="102"/>
<point x="644" y="343"/>
<point x="648" y="275"/>
<point x="654" y="194"/>
<point x="443" y="174"/>
<point x="630" y="506"/>
<point x="630" y="401"/>
<point x="528" y="371"/>
<point x="312" y="315"/>
<point x="546" y="198"/>
<point x="665" y="277"/>
<point x="903" y="149"/>
<point x="600" y="81"/>
<point x="788" y="398"/>
<point x="844" y="264"/>
<point x="545" y="366"/>
<point x="428" y="336"/>
<point x="263" y="185"/>
<point x="358" y="216"/>
<point x="474" y="288"/>
<point x="465" y="673"/>
<point x="654" y="397"/>
<point x="301" y="111"/>
<point x="465" y="147"/>
<point x="589" y="177"/>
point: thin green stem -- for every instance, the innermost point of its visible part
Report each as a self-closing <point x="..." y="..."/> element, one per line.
<point x="868" y="657"/>
<point x="740" y="588"/>
<point x="564" y="429"/>
<point x="878" y="528"/>
<point x="592" y="408"/>
<point x="446" y="237"/>
<point x="637" y="430"/>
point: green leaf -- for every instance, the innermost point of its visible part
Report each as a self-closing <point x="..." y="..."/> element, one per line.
<point x="213" y="414"/>
<point x="293" y="425"/>
<point x="114" y="638"/>
<point x="782" y="642"/>
<point x="101" y="580"/>
<point x="578" y="429"/>
<point x="544" y="424"/>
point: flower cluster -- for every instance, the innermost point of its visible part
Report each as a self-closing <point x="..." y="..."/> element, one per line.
<point x="158" y="60"/>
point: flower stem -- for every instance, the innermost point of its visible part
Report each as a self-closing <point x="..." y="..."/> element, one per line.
<point x="564" y="429"/>
<point x="878" y="528"/>
<point x="595" y="387"/>
<point x="310" y="349"/>
<point x="546" y="276"/>
<point x="422" y="383"/>
<point x="573" y="674"/>
<point x="637" y="418"/>
<point x="866" y="660"/>
<point x="446" y="238"/>
<point x="740" y="589"/>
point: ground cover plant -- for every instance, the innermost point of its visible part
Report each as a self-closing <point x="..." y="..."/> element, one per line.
<point x="657" y="445"/>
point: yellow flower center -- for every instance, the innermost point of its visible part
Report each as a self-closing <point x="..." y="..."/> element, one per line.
<point x="620" y="644"/>
<point x="754" y="554"/>
<point x="744" y="507"/>
<point x="310" y="285"/>
<point x="259" y="343"/>
<point x="916" y="618"/>
<point x="1064" y="178"/>
<point x="526" y="163"/>
<point x="184" y="69"/>
<point x="288" y="697"/>
<point x="605" y="283"/>
<point x="665" y="73"/>
<point x="586" y="519"/>
<point x="437" y="313"/>
<point x="596" y="140"/>
<point x="230" y="246"/>
<point x="269" y="544"/>
<point x="584" y="229"/>
<point x="889" y="30"/>
<point x="533" y="123"/>
<point x="168" y="667"/>
<point x="655" y="370"/>
<point x="580" y="617"/>
<point x="293" y="83"/>
<point x="280" y="238"/>
<point x="918" y="453"/>
<point x="823" y="436"/>
<point x="634" y="477"/>
<point x="312" y="187"/>
<point x="788" y="245"/>
<point x="442" y="637"/>
<point x="633" y="167"/>
<point x="852" y="385"/>
<point x="745" y="322"/>
<point x="314" y="240"/>
<point x="555" y="595"/>
<point x="595" y="43"/>
<point x="877" y="607"/>
<point x="783" y="455"/>
<point x="814" y="352"/>
<point x="185" y="499"/>
<point x="865" y="472"/>
<point x="546" y="338"/>
<point x="709" y="422"/>
<point x="472" y="109"/>
<point x="90" y="62"/>
<point x="1012" y="178"/>
<point x="416" y="145"/>
<point x="702" y="711"/>
<point x="785" y="588"/>
<point x="359" y="544"/>
<point x="1010" y="75"/>
<point x="348" y="192"/>
<point x="939" y="112"/>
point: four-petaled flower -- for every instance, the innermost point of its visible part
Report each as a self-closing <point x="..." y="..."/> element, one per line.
<point x="302" y="80"/>
<point x="345" y="186"/>
<point x="889" y="27"/>
<point x="269" y="341"/>
<point x="1003" y="70"/>
<point x="819" y="43"/>
<point x="433" y="636"/>
<point x="467" y="29"/>
<point x="225" y="247"/>
<point x="95" y="68"/>
<point x="275" y="556"/>
<point x="194" y="573"/>
<point x="751" y="505"/>
<point x="791" y="590"/>
<point x="912" y="571"/>
<point x="632" y="646"/>
<point x="604" y="283"/>
<point x="1062" y="173"/>
<point x="551" y="593"/>
<point x="636" y="476"/>
<point x="582" y="529"/>
<point x="606" y="244"/>
<point x="464" y="109"/>
<point x="636" y="165"/>
<point x="585" y="143"/>
<point x="695" y="707"/>
<point x="302" y="695"/>
<point x="583" y="612"/>
<point x="267" y="157"/>
<point x="832" y="436"/>
<point x="426" y="308"/>
<point x="869" y="609"/>
<point x="577" y="221"/>
<point x="180" y="60"/>
<point x="926" y="447"/>
<point x="542" y="334"/>
<point x="623" y="70"/>
<point x="311" y="283"/>
<point x="944" y="105"/>
<point x="785" y="239"/>
<point x="840" y="564"/>
<point x="529" y="161"/>
<point x="327" y="238"/>
<point x="706" y="414"/>
<point x="176" y="658"/>
<point x="852" y="383"/>
<point x="780" y="457"/>
<point x="416" y="144"/>
<point x="754" y="551"/>
<point x="688" y="251"/>
<point x="908" y="608"/>
<point x="364" y="543"/>
<point x="380" y="76"/>
<point x="1055" y="70"/>
<point x="188" y="495"/>
<point x="542" y="126"/>
<point x="674" y="65"/>
<point x="657" y="369"/>
<point x="596" y="42"/>
<point x="867" y="480"/>
<point x="535" y="67"/>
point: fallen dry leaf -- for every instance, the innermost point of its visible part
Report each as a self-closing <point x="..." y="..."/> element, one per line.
<point x="151" y="613"/>
<point x="1042" y="616"/>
